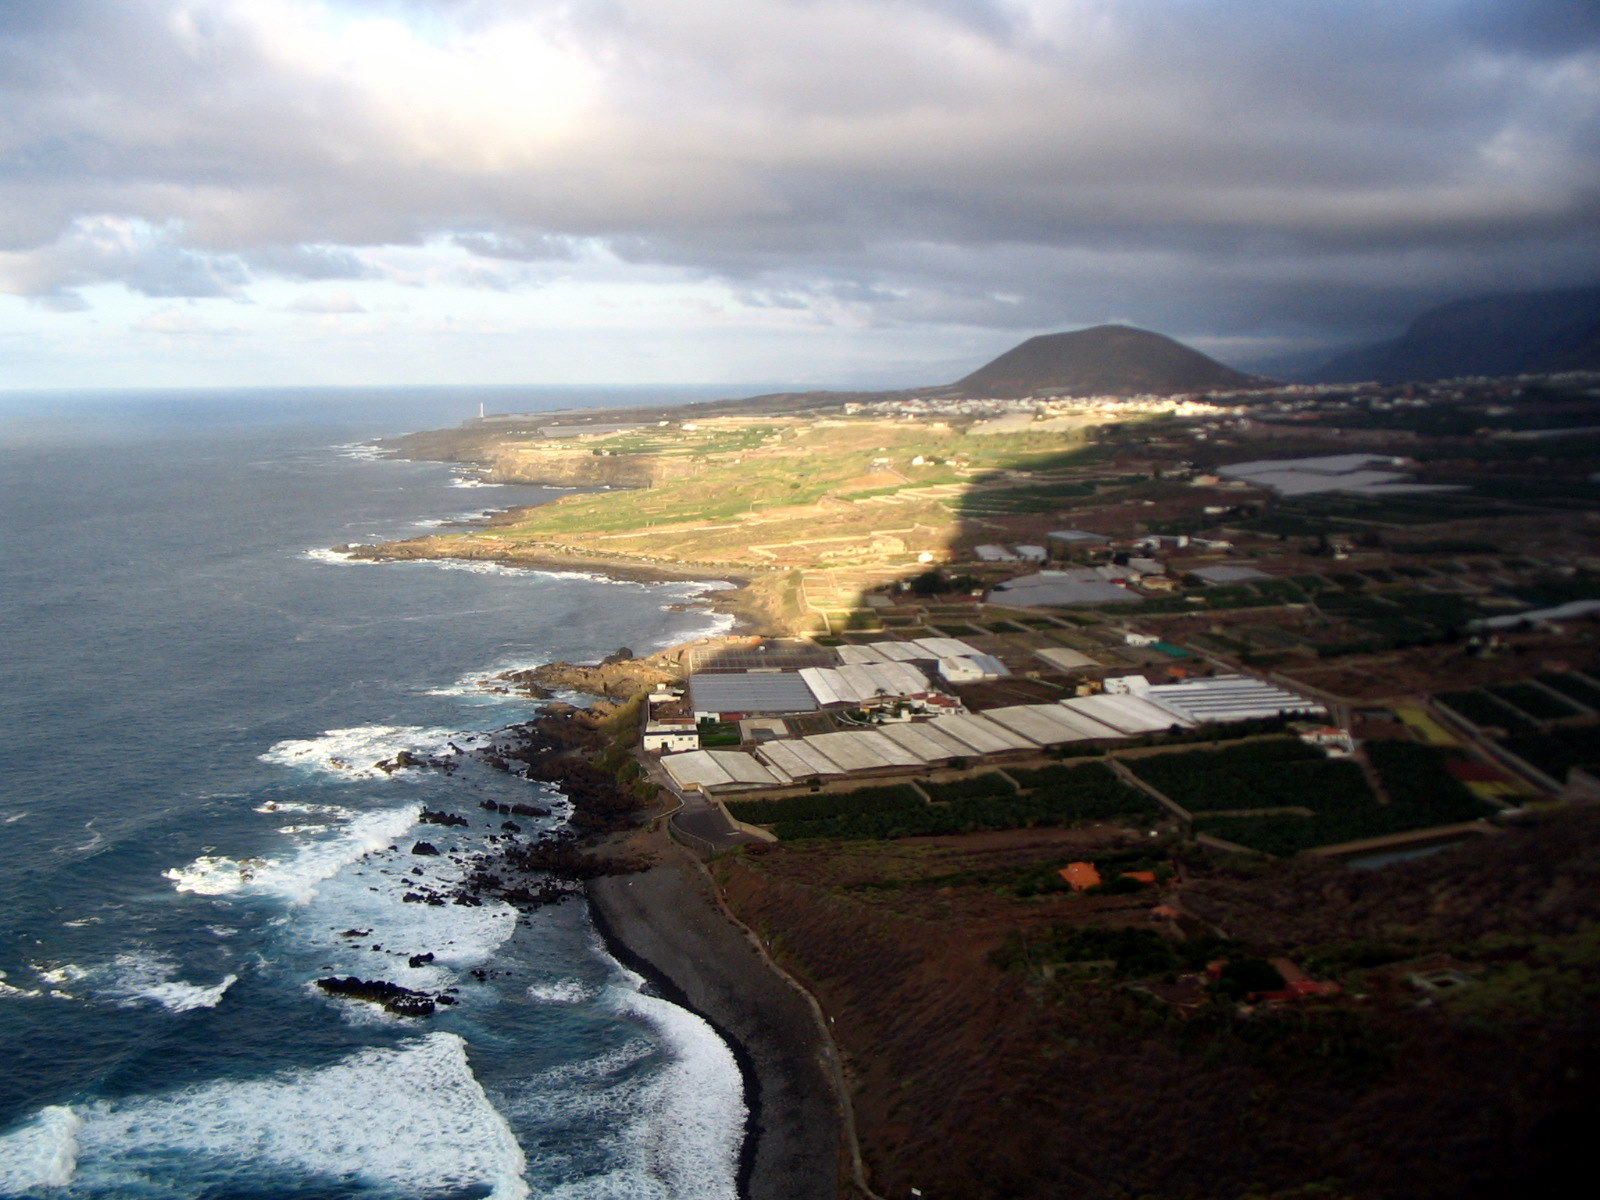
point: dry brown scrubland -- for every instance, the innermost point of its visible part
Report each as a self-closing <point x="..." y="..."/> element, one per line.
<point x="974" y="1083"/>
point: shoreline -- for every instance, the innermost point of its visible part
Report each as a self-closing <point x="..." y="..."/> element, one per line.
<point x="660" y="982"/>
<point x="666" y="924"/>
<point x="737" y="600"/>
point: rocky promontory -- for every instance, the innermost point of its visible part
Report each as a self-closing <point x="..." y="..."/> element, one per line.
<point x="620" y="676"/>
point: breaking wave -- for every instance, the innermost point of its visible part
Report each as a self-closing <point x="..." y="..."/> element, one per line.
<point x="355" y="753"/>
<point x="477" y="566"/>
<point x="295" y="879"/>
<point x="361" y="452"/>
<point x="678" y="1126"/>
<point x="42" y="1152"/>
<point x="326" y="554"/>
<point x="148" y="979"/>
<point x="435" y="1131"/>
<point x="564" y="991"/>
<point x="481" y="514"/>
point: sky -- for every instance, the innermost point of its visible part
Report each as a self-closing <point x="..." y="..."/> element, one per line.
<point x="801" y="192"/>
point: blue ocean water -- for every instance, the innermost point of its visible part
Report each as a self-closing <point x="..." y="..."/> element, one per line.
<point x="192" y="829"/>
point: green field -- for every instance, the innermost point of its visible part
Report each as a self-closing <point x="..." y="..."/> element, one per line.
<point x="1422" y="794"/>
<point x="1086" y="793"/>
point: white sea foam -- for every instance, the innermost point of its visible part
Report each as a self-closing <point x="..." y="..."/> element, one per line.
<point x="469" y="481"/>
<point x="361" y="451"/>
<point x="296" y="879"/>
<point x="11" y="991"/>
<point x="355" y="752"/>
<point x="691" y="1124"/>
<point x="476" y="687"/>
<point x="40" y="1153"/>
<point x="300" y="806"/>
<point x="63" y="974"/>
<point x="96" y="839"/>
<point x="678" y="1128"/>
<point x="481" y="514"/>
<point x="326" y="554"/>
<point x="716" y="625"/>
<point x="479" y="567"/>
<point x="564" y="991"/>
<point x="435" y="1129"/>
<point x="138" y="978"/>
<point x="369" y="897"/>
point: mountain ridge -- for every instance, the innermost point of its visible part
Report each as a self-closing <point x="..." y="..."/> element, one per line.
<point x="1502" y="333"/>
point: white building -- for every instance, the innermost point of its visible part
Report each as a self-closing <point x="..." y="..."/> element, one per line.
<point x="669" y="738"/>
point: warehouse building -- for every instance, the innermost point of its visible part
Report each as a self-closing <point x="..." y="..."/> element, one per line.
<point x="1227" y="573"/>
<point x="934" y="748"/>
<point x="1226" y="698"/>
<point x="954" y="660"/>
<point x="1050" y="724"/>
<point x="1130" y="716"/>
<point x="714" y="771"/>
<point x="730" y="695"/>
<point x="864" y="684"/>
<point x="795" y="759"/>
<point x="980" y="735"/>
<point x="1054" y="589"/>
<point x="1016" y="730"/>
<point x="1065" y="659"/>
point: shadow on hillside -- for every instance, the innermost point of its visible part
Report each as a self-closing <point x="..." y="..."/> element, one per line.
<point x="1002" y="527"/>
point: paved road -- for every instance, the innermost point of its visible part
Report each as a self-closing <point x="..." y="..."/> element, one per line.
<point x="708" y="822"/>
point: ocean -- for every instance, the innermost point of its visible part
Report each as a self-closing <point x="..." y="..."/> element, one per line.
<point x="192" y="829"/>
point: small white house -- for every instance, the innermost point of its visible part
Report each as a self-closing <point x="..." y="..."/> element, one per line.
<point x="1140" y="639"/>
<point x="959" y="670"/>
<point x="669" y="738"/>
<point x="971" y="668"/>
<point x="1336" y="742"/>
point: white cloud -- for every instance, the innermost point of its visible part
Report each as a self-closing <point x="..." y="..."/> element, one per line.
<point x="948" y="163"/>
<point x="327" y="303"/>
<point x="183" y="323"/>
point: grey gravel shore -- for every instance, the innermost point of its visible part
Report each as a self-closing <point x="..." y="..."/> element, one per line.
<point x="666" y="923"/>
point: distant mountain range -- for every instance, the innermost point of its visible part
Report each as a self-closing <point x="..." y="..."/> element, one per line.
<point x="1107" y="360"/>
<point x="1512" y="333"/>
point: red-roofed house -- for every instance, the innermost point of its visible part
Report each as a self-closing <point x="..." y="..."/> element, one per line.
<point x="1081" y="876"/>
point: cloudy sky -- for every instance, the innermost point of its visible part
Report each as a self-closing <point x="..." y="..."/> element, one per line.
<point x="216" y="192"/>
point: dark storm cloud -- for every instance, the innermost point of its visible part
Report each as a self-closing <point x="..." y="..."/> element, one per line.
<point x="1540" y="26"/>
<point x="1199" y="165"/>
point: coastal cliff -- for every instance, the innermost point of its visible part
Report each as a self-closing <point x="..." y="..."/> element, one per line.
<point x="511" y="457"/>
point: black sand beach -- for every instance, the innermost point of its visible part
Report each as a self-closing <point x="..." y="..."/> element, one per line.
<point x="667" y="924"/>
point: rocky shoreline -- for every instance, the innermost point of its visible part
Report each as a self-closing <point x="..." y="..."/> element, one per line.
<point x="653" y="905"/>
